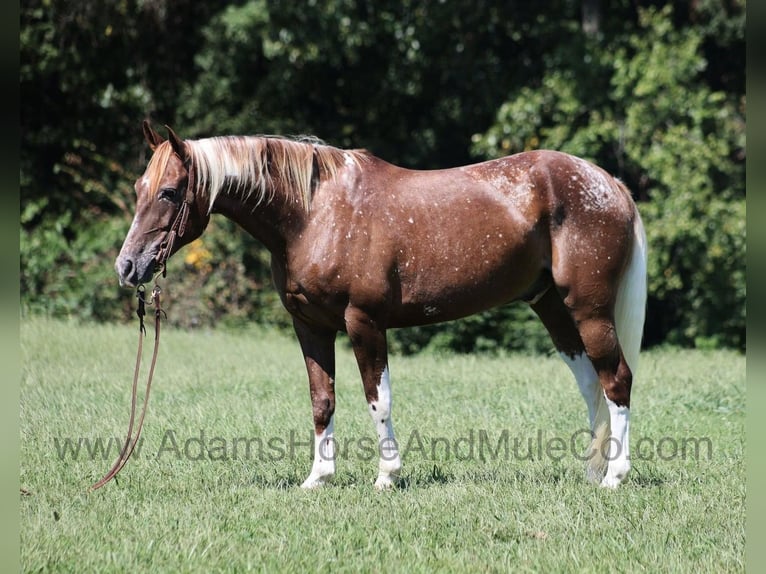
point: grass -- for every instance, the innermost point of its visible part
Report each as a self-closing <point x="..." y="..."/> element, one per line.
<point x="179" y="507"/>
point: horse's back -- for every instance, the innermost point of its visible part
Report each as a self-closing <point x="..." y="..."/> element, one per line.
<point x="529" y="185"/>
<point x="556" y="180"/>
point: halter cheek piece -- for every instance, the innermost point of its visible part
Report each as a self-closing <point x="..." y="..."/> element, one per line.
<point x="178" y="227"/>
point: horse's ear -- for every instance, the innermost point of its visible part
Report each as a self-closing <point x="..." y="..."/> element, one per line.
<point x="152" y="137"/>
<point x="178" y="145"/>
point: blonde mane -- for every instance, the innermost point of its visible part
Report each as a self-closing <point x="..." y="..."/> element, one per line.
<point x="251" y="165"/>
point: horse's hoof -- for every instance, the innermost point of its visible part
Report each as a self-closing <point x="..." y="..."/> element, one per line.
<point x="385" y="482"/>
<point x="611" y="482"/>
<point x="314" y="482"/>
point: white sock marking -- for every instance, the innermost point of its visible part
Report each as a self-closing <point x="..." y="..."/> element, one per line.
<point x="619" y="445"/>
<point x="587" y="381"/>
<point x="323" y="468"/>
<point x="380" y="410"/>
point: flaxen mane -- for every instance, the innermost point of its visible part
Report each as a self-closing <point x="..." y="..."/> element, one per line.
<point x="255" y="165"/>
<point x="258" y="165"/>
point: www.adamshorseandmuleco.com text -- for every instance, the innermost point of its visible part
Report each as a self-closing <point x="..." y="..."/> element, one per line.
<point x="475" y="444"/>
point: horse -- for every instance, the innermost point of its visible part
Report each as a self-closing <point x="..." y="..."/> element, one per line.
<point x="359" y="245"/>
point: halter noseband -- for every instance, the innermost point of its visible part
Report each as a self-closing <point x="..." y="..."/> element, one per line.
<point x="178" y="227"/>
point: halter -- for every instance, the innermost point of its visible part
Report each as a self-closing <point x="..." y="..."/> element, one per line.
<point x="178" y="227"/>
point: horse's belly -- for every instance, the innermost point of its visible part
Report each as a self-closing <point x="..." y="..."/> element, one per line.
<point x="454" y="283"/>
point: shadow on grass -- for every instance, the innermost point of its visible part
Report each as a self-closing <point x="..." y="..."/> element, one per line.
<point x="436" y="475"/>
<point x="646" y="478"/>
<point x="440" y="475"/>
<point x="275" y="482"/>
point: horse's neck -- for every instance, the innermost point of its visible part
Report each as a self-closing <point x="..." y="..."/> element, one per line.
<point x="270" y="222"/>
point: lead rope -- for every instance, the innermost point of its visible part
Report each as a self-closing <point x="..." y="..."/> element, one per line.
<point x="130" y="440"/>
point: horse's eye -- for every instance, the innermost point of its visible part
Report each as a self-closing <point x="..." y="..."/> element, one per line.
<point x="167" y="193"/>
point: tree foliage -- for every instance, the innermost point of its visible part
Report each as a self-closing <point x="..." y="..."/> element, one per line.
<point x="652" y="91"/>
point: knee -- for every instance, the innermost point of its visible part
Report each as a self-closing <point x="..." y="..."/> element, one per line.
<point x="324" y="408"/>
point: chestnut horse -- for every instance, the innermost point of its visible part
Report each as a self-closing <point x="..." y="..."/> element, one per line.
<point x="362" y="246"/>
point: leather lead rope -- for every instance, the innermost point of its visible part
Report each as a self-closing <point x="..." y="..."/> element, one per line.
<point x="130" y="440"/>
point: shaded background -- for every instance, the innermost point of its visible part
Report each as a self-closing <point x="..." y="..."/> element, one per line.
<point x="652" y="91"/>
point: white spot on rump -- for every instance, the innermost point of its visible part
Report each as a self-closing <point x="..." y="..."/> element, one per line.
<point x="596" y="189"/>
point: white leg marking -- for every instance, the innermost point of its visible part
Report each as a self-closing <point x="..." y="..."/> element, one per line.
<point x="323" y="469"/>
<point x="590" y="388"/>
<point x="390" y="463"/>
<point x="619" y="445"/>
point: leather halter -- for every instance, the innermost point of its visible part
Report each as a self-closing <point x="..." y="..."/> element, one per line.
<point x="178" y="227"/>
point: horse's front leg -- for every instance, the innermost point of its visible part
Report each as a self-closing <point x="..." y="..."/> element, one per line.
<point x="368" y="340"/>
<point x="318" y="348"/>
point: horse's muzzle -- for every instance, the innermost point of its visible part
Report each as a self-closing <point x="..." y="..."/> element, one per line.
<point x="132" y="272"/>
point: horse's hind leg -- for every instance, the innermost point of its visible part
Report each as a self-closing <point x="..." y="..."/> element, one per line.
<point x="559" y="323"/>
<point x="591" y="298"/>
<point x="607" y="304"/>
<point x="599" y="336"/>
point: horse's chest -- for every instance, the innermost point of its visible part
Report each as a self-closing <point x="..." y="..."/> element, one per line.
<point x="314" y="291"/>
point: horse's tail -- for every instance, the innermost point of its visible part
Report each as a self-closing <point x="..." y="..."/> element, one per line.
<point x="630" y="307"/>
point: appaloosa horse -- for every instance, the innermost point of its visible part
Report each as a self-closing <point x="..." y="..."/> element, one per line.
<point x="360" y="245"/>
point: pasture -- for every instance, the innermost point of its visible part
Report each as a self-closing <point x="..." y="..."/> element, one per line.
<point x="492" y="479"/>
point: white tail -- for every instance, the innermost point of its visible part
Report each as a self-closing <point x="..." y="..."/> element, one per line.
<point x="630" y="307"/>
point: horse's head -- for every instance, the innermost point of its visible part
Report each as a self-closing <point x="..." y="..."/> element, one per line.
<point x="168" y="212"/>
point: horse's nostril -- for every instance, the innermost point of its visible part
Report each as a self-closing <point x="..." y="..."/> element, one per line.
<point x="124" y="267"/>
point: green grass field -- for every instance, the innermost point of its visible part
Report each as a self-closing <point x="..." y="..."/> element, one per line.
<point x="491" y="478"/>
